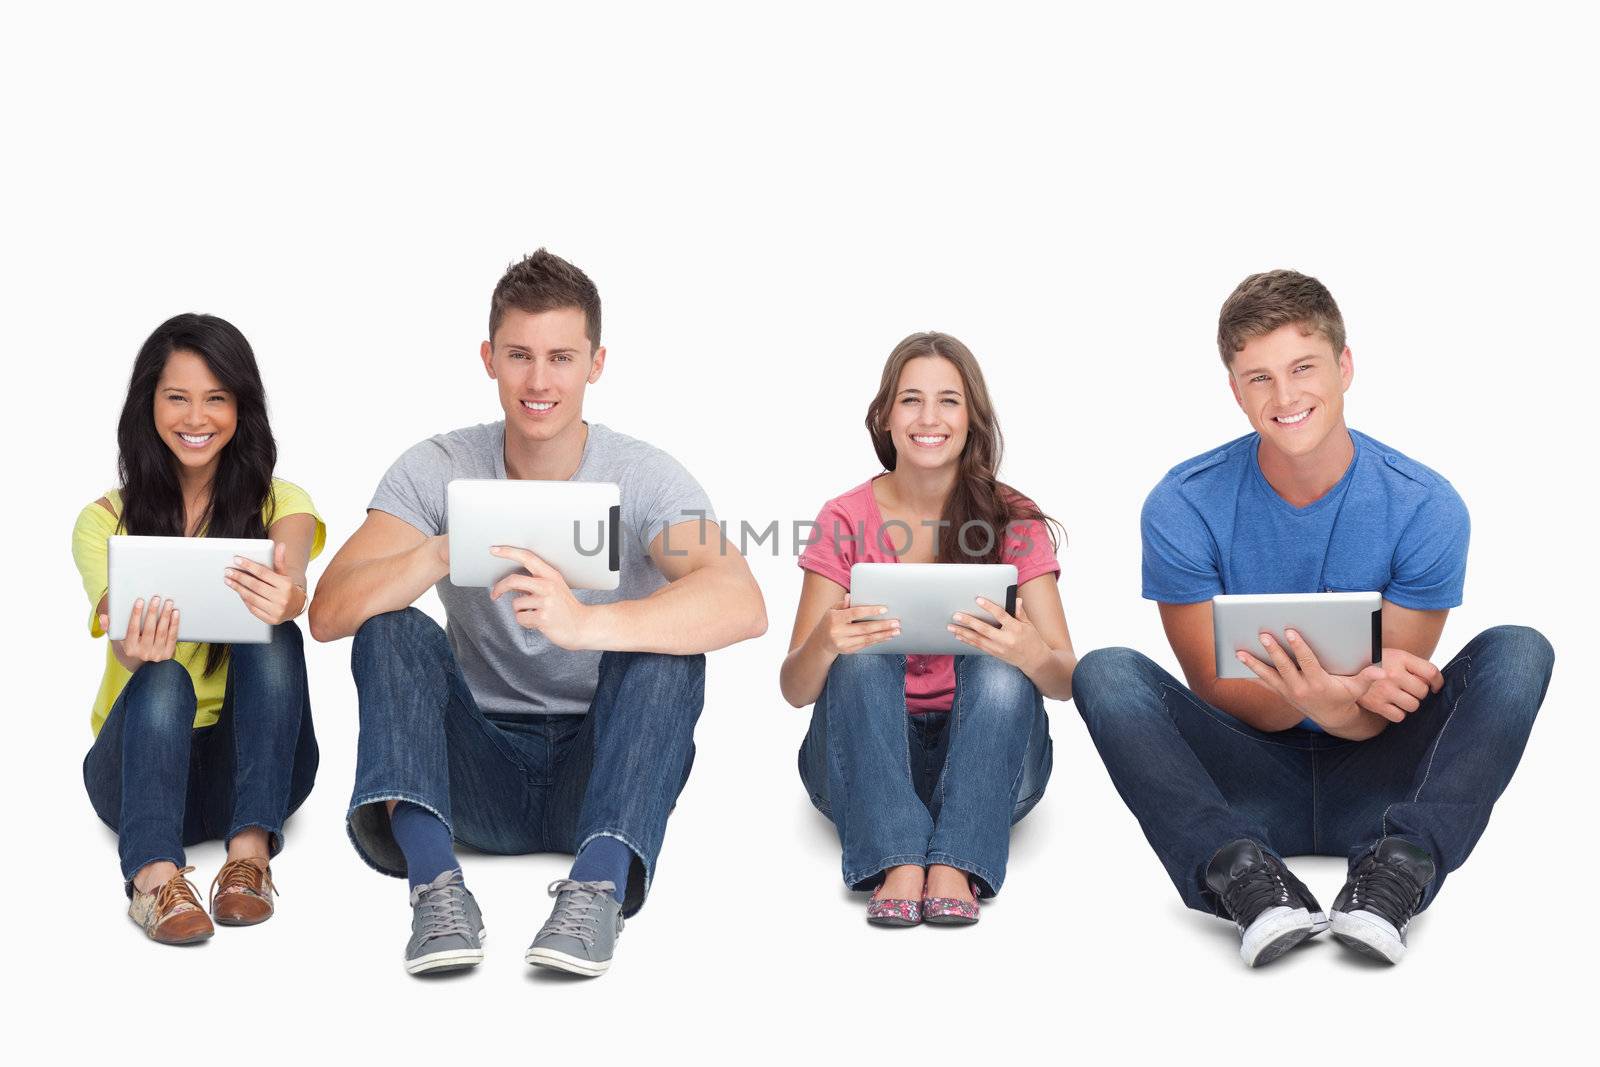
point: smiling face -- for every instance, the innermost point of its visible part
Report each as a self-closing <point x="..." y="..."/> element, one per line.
<point x="1291" y="386"/>
<point x="194" y="415"/>
<point x="542" y="361"/>
<point x="927" y="420"/>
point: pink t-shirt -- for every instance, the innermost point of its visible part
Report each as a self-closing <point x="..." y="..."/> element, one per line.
<point x="849" y="531"/>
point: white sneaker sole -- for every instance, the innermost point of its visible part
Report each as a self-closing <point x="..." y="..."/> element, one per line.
<point x="1369" y="934"/>
<point x="1275" y="932"/>
<point x="560" y="961"/>
<point x="454" y="959"/>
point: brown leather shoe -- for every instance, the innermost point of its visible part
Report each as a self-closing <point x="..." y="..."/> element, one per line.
<point x="241" y="893"/>
<point x="172" y="914"/>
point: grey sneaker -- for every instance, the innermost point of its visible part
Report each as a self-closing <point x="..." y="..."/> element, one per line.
<point x="446" y="926"/>
<point x="581" y="933"/>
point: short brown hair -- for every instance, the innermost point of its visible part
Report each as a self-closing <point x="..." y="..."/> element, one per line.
<point x="543" y="282"/>
<point x="1266" y="302"/>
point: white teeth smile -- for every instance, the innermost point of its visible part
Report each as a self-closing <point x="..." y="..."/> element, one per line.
<point x="544" y="405"/>
<point x="197" y="439"/>
<point x="1290" y="420"/>
<point x="928" y="440"/>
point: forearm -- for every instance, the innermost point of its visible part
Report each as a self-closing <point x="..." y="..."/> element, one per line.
<point x="805" y="671"/>
<point x="360" y="589"/>
<point x="702" y="611"/>
<point x="1052" y="673"/>
<point x="1251" y="703"/>
<point x="1255" y="705"/>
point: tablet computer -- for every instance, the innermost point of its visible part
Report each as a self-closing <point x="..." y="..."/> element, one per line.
<point x="573" y="526"/>
<point x="1344" y="630"/>
<point x="188" y="572"/>
<point x="923" y="596"/>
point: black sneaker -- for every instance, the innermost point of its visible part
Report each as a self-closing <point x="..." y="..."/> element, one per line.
<point x="1381" y="895"/>
<point x="1274" y="910"/>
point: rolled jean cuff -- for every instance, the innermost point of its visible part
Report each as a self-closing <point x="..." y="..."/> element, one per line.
<point x="127" y="875"/>
<point x="633" y="896"/>
<point x="865" y="880"/>
<point x="988" y="883"/>
<point x="274" y="834"/>
<point x="367" y="823"/>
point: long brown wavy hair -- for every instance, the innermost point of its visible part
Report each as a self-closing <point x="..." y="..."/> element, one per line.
<point x="978" y="495"/>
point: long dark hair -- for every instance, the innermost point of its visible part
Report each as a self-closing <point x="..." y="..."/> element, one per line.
<point x="978" y="497"/>
<point x="152" y="498"/>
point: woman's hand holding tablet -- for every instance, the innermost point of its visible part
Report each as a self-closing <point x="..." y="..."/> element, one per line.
<point x="152" y="634"/>
<point x="846" y="629"/>
<point x="269" y="592"/>
<point x="1012" y="638"/>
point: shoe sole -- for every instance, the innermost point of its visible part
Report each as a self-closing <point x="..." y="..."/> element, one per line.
<point x="1368" y="937"/>
<point x="220" y="921"/>
<point x="560" y="961"/>
<point x="949" y="920"/>
<point x="455" y="959"/>
<point x="194" y="939"/>
<point x="1277" y="936"/>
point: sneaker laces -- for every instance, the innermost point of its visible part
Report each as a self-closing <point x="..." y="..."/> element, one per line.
<point x="174" y="892"/>
<point x="1387" y="890"/>
<point x="442" y="903"/>
<point x="243" y="875"/>
<point x="1254" y="891"/>
<point x="578" y="909"/>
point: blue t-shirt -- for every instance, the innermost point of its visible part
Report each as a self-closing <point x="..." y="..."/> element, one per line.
<point x="1214" y="525"/>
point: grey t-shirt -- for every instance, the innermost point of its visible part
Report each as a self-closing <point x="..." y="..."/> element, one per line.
<point x="510" y="669"/>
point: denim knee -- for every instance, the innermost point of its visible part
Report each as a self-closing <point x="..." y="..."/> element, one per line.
<point x="408" y="629"/>
<point x="1104" y="674"/>
<point x="1520" y="647"/>
<point x="857" y="668"/>
<point x="279" y="664"/>
<point x="160" y="696"/>
<point x="984" y="683"/>
<point x="665" y="666"/>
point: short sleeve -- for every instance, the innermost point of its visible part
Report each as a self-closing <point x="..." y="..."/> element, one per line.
<point x="289" y="499"/>
<point x="413" y="488"/>
<point x="831" y="551"/>
<point x="661" y="493"/>
<point x="1430" y="559"/>
<point x="89" y="534"/>
<point x="1181" y="562"/>
<point x="1028" y="546"/>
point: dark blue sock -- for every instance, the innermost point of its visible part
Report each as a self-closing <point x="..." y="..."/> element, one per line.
<point x="605" y="859"/>
<point x="425" y="840"/>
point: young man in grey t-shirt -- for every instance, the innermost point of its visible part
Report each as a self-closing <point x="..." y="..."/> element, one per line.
<point x="542" y="718"/>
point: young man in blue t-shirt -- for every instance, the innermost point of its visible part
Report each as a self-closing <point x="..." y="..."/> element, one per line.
<point x="1397" y="767"/>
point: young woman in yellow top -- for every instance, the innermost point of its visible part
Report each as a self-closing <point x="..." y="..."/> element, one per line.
<point x="194" y="741"/>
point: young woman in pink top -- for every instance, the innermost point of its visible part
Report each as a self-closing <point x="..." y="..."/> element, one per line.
<point x="924" y="762"/>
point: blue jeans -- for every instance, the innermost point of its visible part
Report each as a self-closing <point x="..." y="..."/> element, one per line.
<point x="162" y="784"/>
<point x="1197" y="778"/>
<point x="932" y="788"/>
<point x="512" y="785"/>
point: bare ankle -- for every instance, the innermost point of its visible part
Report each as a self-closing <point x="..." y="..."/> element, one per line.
<point x="251" y="844"/>
<point x="152" y="876"/>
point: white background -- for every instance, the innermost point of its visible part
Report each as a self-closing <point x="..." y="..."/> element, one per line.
<point x="768" y="201"/>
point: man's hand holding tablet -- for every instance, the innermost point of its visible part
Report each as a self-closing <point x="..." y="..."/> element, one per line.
<point x="1407" y="681"/>
<point x="1326" y="699"/>
<point x="546" y="604"/>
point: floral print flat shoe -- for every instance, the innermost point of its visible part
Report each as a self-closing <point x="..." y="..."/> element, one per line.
<point x="892" y="911"/>
<point x="948" y="911"/>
